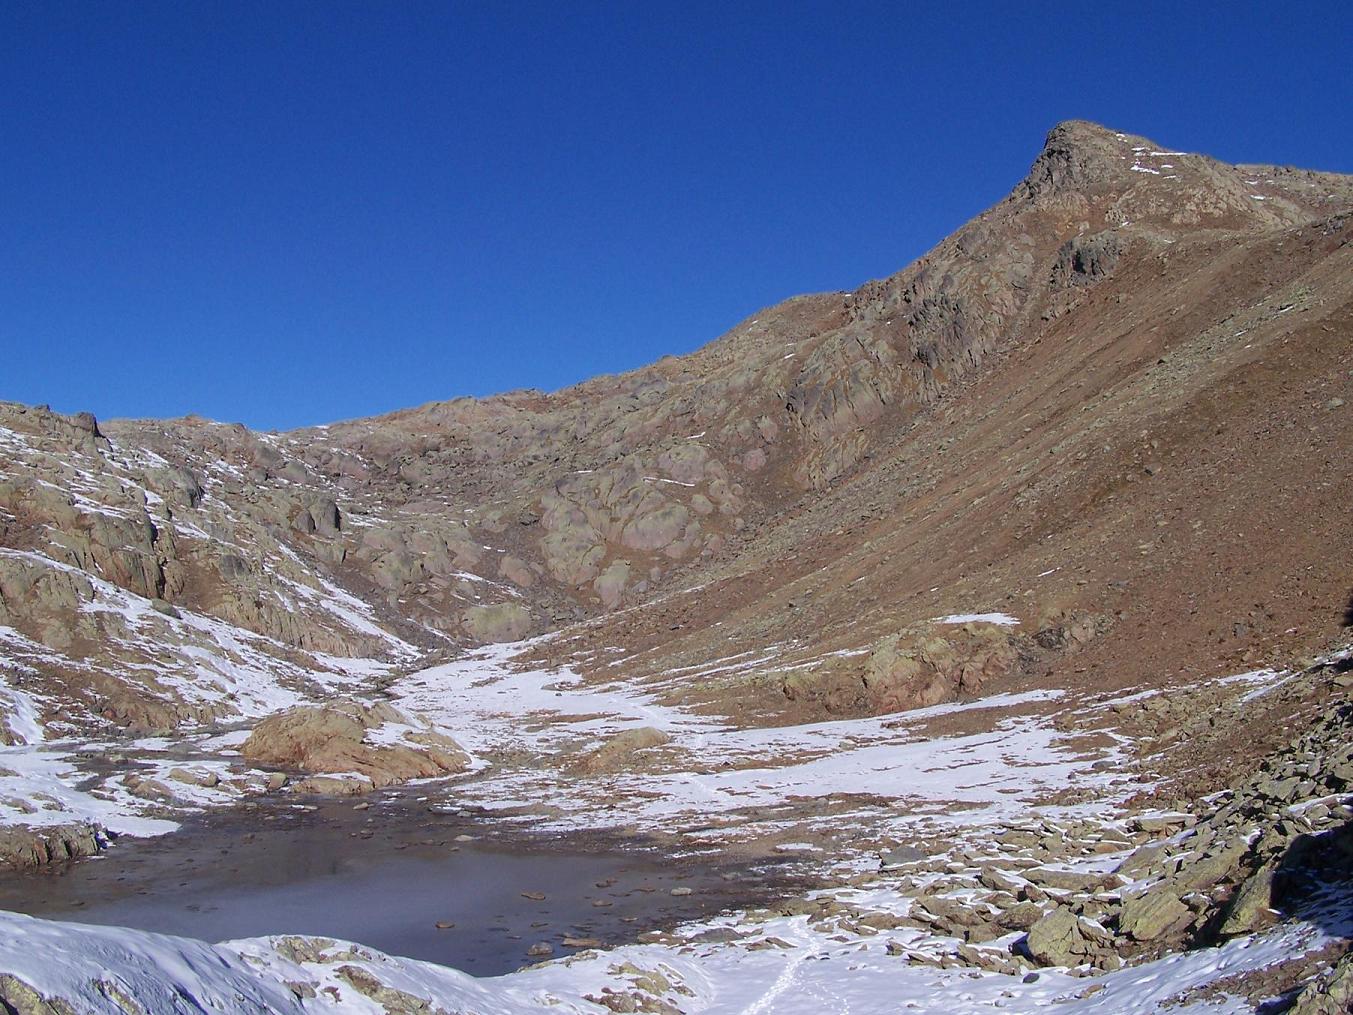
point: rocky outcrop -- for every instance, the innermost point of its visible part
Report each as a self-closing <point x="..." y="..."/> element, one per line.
<point x="921" y="669"/>
<point x="362" y="746"/>
<point x="19" y="998"/>
<point x="22" y="846"/>
<point x="914" y="668"/>
<point x="1330" y="994"/>
<point x="500" y="622"/>
<point x="1084" y="260"/>
<point x="619" y="751"/>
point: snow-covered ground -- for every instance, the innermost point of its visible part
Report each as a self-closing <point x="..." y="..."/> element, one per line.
<point x="711" y="771"/>
<point x="962" y="771"/>
<point x="784" y="966"/>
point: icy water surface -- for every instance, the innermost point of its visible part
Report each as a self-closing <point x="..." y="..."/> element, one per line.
<point x="386" y="877"/>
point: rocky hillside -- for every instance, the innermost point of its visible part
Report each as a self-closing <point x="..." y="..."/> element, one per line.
<point x="1057" y="517"/>
<point x="1112" y="406"/>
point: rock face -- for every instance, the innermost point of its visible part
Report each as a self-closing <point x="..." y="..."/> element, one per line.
<point x="370" y="746"/>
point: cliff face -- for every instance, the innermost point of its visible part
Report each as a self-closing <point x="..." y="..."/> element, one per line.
<point x="1112" y="405"/>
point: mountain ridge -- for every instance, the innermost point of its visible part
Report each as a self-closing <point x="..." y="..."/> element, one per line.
<point x="478" y="520"/>
<point x="1006" y="596"/>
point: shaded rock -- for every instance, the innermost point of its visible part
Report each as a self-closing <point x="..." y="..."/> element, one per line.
<point x="1153" y="915"/>
<point x="1250" y="906"/>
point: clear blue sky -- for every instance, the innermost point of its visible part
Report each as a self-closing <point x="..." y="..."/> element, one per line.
<point x="286" y="213"/>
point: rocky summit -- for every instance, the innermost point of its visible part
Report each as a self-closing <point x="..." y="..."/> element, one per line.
<point x="1025" y="569"/>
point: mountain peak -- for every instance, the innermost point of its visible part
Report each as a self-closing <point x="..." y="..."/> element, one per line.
<point x="1083" y="133"/>
<point x="1078" y="154"/>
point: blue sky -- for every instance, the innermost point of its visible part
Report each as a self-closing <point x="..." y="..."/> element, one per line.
<point x="289" y="213"/>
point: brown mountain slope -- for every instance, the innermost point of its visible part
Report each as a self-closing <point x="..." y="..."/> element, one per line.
<point x="1110" y="406"/>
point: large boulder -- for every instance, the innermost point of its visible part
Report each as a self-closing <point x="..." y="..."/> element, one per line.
<point x="499" y="622"/>
<point x="378" y="743"/>
<point x="21" y="846"/>
<point x="918" y="670"/>
<point x="619" y="751"/>
<point x="1064" y="939"/>
<point x="1153" y="915"/>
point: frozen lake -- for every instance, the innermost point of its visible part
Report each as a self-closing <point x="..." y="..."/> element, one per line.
<point x="386" y="877"/>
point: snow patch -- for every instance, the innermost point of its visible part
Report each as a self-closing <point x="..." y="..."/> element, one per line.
<point x="1000" y="619"/>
